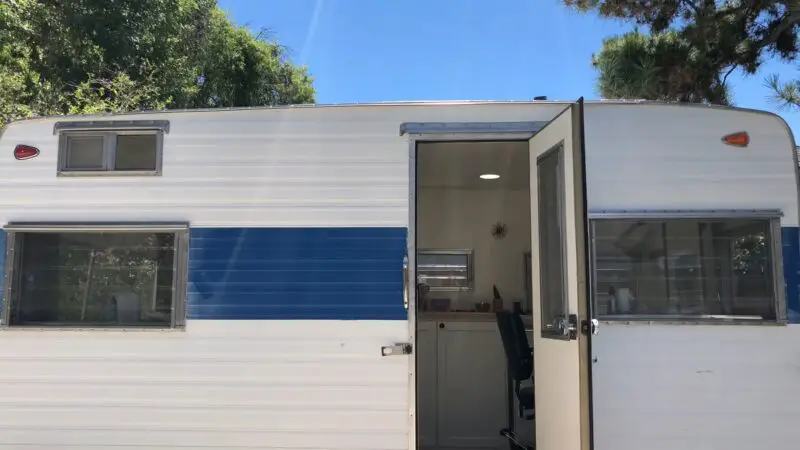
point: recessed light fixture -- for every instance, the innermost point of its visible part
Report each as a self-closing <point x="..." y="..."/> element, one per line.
<point x="489" y="176"/>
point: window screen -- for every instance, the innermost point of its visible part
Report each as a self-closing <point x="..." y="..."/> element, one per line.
<point x="84" y="153"/>
<point x="136" y="152"/>
<point x="95" y="279"/>
<point x="684" y="267"/>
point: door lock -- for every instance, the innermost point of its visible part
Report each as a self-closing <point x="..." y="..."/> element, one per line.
<point x="396" y="349"/>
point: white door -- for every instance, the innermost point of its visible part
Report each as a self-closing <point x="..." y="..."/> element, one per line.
<point x="562" y="319"/>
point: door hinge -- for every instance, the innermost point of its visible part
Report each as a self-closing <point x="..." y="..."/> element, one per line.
<point x="396" y="349"/>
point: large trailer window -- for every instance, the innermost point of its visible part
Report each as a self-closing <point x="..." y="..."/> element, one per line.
<point x="685" y="268"/>
<point x="95" y="279"/>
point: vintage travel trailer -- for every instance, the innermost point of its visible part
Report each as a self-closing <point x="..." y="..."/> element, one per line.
<point x="424" y="275"/>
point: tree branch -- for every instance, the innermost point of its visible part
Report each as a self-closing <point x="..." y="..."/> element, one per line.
<point x="730" y="71"/>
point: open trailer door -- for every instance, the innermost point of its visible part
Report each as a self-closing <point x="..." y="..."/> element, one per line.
<point x="563" y="321"/>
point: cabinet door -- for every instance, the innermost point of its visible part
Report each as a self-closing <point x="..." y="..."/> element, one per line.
<point x="472" y="385"/>
<point x="427" y="414"/>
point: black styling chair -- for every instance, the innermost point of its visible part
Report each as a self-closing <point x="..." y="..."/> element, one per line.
<point x="519" y="356"/>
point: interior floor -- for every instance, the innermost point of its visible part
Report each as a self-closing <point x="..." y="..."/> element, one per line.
<point x="473" y="355"/>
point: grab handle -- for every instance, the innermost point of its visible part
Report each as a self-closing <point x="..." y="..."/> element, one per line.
<point x="405" y="282"/>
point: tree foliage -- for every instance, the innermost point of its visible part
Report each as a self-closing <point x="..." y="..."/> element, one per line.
<point x="785" y="93"/>
<point x="659" y="67"/>
<point x="86" y="56"/>
<point x="691" y="42"/>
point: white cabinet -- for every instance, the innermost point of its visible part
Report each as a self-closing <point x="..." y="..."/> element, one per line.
<point x="426" y="384"/>
<point x="461" y="383"/>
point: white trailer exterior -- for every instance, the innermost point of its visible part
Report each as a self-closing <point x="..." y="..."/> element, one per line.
<point x="285" y="206"/>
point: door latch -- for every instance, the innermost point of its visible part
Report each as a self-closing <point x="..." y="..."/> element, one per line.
<point x="396" y="349"/>
<point x="590" y="327"/>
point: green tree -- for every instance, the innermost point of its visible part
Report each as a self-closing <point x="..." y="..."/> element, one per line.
<point x="785" y="93"/>
<point x="86" y="56"/>
<point x="657" y="67"/>
<point x="692" y="45"/>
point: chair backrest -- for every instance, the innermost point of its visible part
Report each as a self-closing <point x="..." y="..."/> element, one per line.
<point x="515" y="344"/>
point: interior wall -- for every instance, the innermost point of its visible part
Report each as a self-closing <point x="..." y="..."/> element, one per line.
<point x="454" y="218"/>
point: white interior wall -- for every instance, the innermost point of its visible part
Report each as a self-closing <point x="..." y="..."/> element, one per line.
<point x="452" y="218"/>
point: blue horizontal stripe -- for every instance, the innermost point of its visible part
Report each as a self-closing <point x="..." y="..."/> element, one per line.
<point x="296" y="273"/>
<point x="330" y="273"/>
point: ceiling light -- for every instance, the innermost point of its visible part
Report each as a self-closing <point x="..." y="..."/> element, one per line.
<point x="489" y="176"/>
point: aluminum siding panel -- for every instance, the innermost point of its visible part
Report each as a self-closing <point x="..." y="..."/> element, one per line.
<point x="220" y="384"/>
<point x="663" y="387"/>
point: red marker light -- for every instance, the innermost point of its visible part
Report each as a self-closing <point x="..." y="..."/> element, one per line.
<point x="738" y="139"/>
<point x="22" y="152"/>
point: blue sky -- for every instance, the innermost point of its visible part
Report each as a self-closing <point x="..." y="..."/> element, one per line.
<point x="382" y="50"/>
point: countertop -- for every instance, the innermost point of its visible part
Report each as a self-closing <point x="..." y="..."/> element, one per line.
<point x="465" y="316"/>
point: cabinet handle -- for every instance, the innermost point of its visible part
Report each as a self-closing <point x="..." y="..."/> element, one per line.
<point x="441" y="325"/>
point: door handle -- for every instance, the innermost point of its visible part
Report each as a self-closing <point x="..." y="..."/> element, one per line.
<point x="565" y="326"/>
<point x="569" y="326"/>
<point x="405" y="282"/>
<point x="398" y="349"/>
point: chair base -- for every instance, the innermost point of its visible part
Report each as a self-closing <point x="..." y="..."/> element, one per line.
<point x="516" y="440"/>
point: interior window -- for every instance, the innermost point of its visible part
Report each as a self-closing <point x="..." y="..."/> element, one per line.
<point x="94" y="279"/>
<point x="445" y="270"/>
<point x="684" y="267"/>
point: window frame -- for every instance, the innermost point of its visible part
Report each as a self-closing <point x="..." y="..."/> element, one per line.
<point x="108" y="131"/>
<point x="470" y="256"/>
<point x="14" y="254"/>
<point x="553" y="329"/>
<point x="773" y="217"/>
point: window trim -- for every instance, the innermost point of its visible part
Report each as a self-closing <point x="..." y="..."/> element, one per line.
<point x="773" y="216"/>
<point x="111" y="125"/>
<point x="180" y="267"/>
<point x="108" y="131"/>
<point x="468" y="253"/>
